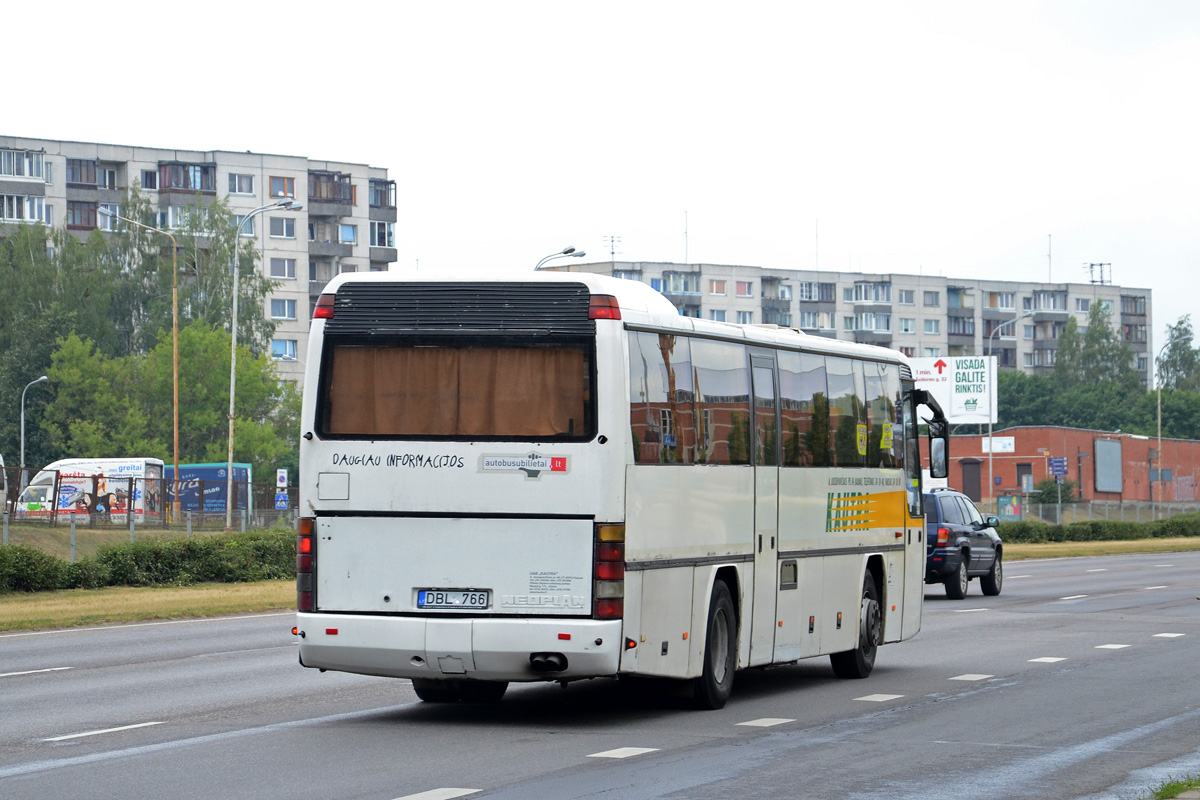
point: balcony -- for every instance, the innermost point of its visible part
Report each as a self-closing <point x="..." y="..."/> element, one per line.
<point x="775" y="304"/>
<point x="883" y="338"/>
<point x="385" y="254"/>
<point x="330" y="194"/>
<point x="328" y="249"/>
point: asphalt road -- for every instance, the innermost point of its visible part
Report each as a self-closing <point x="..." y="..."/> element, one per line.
<point x="1077" y="681"/>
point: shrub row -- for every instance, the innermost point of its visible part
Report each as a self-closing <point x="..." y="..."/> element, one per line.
<point x="234" y="558"/>
<point x="1025" y="532"/>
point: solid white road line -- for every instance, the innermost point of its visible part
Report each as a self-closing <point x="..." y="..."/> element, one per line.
<point x="970" y="676"/>
<point x="1014" y="577"/>
<point x="33" y="671"/>
<point x="1073" y="597"/>
<point x="1102" y="569"/>
<point x="439" y="794"/>
<point x="1046" y="660"/>
<point x="879" y="698"/>
<point x="97" y="733"/>
<point x="147" y="624"/>
<point x="766" y="722"/>
<point x="968" y="610"/>
<point x="624" y="752"/>
<point x="1148" y="588"/>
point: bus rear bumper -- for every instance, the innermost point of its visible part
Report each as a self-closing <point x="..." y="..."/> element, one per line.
<point x="444" y="648"/>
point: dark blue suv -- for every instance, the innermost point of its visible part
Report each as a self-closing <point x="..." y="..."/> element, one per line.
<point x="961" y="544"/>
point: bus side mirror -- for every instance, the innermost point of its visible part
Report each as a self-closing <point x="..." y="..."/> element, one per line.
<point x="938" y="467"/>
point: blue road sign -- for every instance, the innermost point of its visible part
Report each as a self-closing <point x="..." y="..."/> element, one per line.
<point x="281" y="502"/>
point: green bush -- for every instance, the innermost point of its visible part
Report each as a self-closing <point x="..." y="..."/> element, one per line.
<point x="1031" y="532"/>
<point x="27" y="569"/>
<point x="235" y="558"/>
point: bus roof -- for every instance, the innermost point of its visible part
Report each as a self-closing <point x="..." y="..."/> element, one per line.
<point x="640" y="306"/>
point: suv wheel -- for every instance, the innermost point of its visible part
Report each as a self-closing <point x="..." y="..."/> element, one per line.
<point x="956" y="584"/>
<point x="992" y="582"/>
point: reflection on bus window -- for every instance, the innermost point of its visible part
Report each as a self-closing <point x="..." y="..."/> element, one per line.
<point x="660" y="399"/>
<point x="722" y="380"/>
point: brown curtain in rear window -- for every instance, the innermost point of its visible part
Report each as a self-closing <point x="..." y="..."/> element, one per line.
<point x="440" y="391"/>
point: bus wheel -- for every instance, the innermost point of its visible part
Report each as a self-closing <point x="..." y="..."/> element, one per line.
<point x="435" y="691"/>
<point x="859" y="662"/>
<point x="482" y="691"/>
<point x="712" y="688"/>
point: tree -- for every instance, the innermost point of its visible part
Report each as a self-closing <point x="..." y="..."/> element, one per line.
<point x="1100" y="355"/>
<point x="1178" y="365"/>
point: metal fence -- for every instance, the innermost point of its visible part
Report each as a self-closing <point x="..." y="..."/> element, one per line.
<point x="152" y="504"/>
<point x="1087" y="511"/>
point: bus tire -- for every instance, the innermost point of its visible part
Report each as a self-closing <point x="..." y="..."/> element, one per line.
<point x="859" y="662"/>
<point x="435" y="691"/>
<point x="482" y="691"/>
<point x="715" y="683"/>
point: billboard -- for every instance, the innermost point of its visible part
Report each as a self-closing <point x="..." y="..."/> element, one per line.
<point x="208" y="481"/>
<point x="964" y="386"/>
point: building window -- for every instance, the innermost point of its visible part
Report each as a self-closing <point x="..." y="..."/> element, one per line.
<point x="933" y="352"/>
<point x="284" y="268"/>
<point x="745" y="317"/>
<point x="382" y="193"/>
<point x="283" y="187"/>
<point x="244" y="225"/>
<point x="108" y="221"/>
<point x="905" y="297"/>
<point x="241" y="184"/>
<point x="1083" y="304"/>
<point x="81" y="171"/>
<point x="1008" y="300"/>
<point x="1027" y="358"/>
<point x="283" y="349"/>
<point x="656" y="284"/>
<point x="717" y="288"/>
<point x="785" y="292"/>
<point x="1133" y="304"/>
<point x="810" y="320"/>
<point x="907" y="325"/>
<point x="383" y="234"/>
<point x="283" y="227"/>
<point x="932" y="299"/>
<point x="150" y="179"/>
<point x="22" y="164"/>
<point x="81" y="215"/>
<point x="188" y="177"/>
<point x="20" y="208"/>
<point x="847" y="323"/>
<point x="1028" y="331"/>
<point x="961" y="326"/>
<point x="827" y="320"/>
<point x="284" y="309"/>
<point x="745" y="289"/>
<point x="348" y="234"/>
<point x="933" y="327"/>
<point x="106" y="178"/>
<point x="806" y="290"/>
<point x="911" y="352"/>
<point x="717" y="315"/>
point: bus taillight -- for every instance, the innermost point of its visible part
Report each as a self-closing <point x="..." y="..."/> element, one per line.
<point x="324" y="307"/>
<point x="608" y="584"/>
<point x="306" y="558"/>
<point x="604" y="306"/>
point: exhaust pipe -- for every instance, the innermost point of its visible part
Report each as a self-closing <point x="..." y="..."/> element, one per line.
<point x="547" y="662"/>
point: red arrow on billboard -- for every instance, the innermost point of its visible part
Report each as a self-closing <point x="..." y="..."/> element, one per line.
<point x="941" y="365"/>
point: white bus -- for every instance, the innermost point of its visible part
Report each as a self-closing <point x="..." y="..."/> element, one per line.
<point x="556" y="476"/>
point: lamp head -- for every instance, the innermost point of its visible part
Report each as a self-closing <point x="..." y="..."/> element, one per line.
<point x="566" y="251"/>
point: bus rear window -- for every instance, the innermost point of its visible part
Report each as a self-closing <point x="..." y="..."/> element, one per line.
<point x="469" y="392"/>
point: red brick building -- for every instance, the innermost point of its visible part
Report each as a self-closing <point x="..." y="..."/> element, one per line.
<point x="1108" y="466"/>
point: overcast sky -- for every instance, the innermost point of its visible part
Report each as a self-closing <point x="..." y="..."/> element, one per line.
<point x="957" y="138"/>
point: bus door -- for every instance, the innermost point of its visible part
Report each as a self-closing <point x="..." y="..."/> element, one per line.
<point x="766" y="508"/>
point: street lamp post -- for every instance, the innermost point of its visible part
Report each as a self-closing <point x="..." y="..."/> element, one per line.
<point x="174" y="344"/>
<point x="21" y="480"/>
<point x="1158" y="385"/>
<point x="288" y="205"/>
<point x="992" y="412"/>
<point x="566" y="252"/>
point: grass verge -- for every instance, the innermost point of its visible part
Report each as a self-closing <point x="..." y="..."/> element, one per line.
<point x="1016" y="552"/>
<point x="1174" y="788"/>
<point x="121" y="604"/>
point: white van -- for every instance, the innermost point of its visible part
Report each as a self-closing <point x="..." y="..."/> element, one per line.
<point x="106" y="486"/>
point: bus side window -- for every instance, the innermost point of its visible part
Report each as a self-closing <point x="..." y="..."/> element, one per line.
<point x="662" y="419"/>
<point x="804" y="400"/>
<point x="883" y="399"/>
<point x="847" y="411"/>
<point x="722" y="385"/>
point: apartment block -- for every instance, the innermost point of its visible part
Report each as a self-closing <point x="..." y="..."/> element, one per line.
<point x="920" y="315"/>
<point x="346" y="223"/>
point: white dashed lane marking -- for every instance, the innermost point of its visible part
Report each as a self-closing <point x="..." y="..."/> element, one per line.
<point x="970" y="676"/>
<point x="1103" y="569"/>
<point x="1046" y="660"/>
<point x="439" y="794"/>
<point x="624" y="752"/>
<point x="33" y="671"/>
<point x="879" y="698"/>
<point x="766" y="722"/>
<point x="97" y="733"/>
<point x="1111" y="646"/>
<point x="968" y="610"/>
<point x="1073" y="597"/>
<point x="1169" y="635"/>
